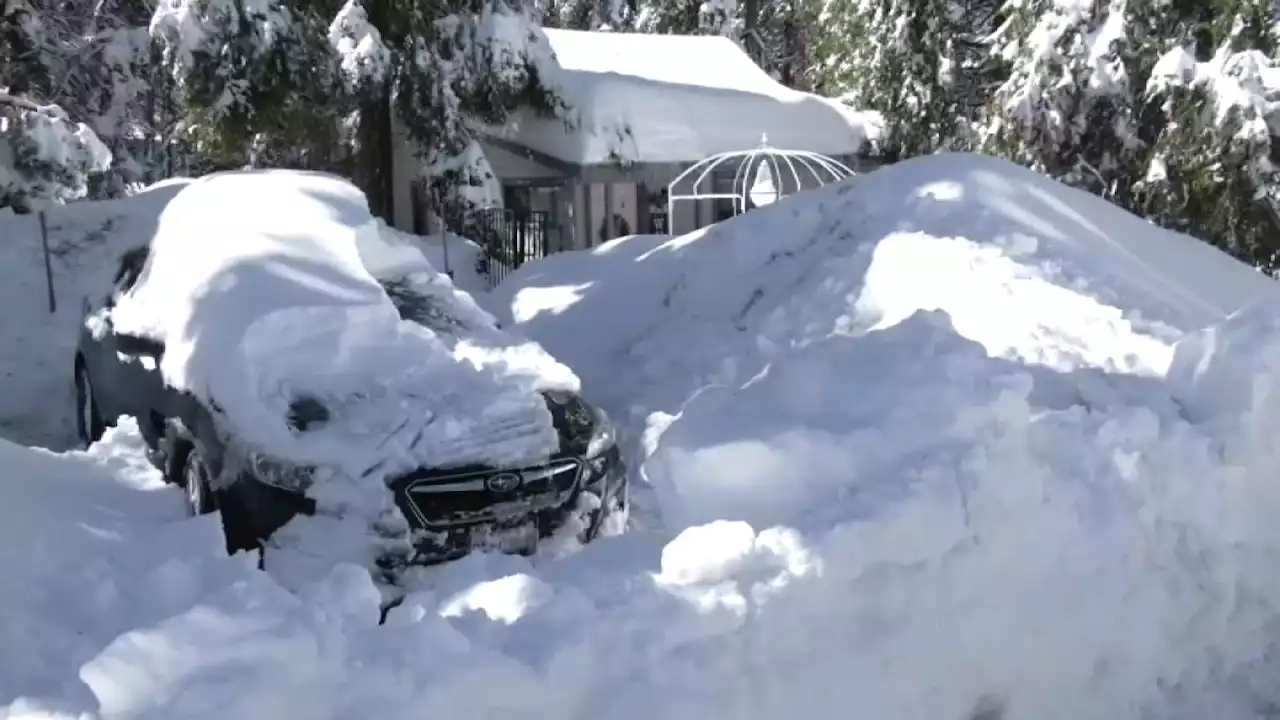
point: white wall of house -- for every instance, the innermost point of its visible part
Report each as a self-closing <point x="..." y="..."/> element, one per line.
<point x="614" y="199"/>
<point x="510" y="166"/>
<point x="404" y="171"/>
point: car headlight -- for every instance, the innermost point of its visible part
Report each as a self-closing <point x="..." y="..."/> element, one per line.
<point x="281" y="474"/>
<point x="603" y="436"/>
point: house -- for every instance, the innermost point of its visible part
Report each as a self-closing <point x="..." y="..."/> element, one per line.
<point x="642" y="109"/>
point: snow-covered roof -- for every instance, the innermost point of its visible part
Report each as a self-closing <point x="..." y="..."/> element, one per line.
<point x="675" y="98"/>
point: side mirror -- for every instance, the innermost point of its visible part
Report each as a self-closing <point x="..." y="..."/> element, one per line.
<point x="134" y="345"/>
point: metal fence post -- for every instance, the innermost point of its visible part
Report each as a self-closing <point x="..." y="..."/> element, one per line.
<point x="48" y="264"/>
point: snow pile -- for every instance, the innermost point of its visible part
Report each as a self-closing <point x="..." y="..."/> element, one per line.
<point x="452" y="254"/>
<point x="273" y="303"/>
<point x="943" y="383"/>
<point x="86" y="240"/>
<point x="93" y="547"/>
<point x="1029" y="270"/>
<point x="920" y="499"/>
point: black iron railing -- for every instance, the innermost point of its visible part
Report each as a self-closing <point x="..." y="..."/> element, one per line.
<point x="658" y="223"/>
<point x="509" y="239"/>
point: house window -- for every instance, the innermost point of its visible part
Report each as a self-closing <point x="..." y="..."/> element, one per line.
<point x="722" y="208"/>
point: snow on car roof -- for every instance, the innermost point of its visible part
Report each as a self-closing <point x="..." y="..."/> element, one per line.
<point x="258" y="288"/>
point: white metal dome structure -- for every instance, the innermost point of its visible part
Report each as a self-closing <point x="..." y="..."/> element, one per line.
<point x="760" y="177"/>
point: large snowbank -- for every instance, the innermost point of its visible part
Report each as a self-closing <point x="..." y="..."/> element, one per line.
<point x="86" y="240"/>
<point x="948" y="376"/>
<point x="910" y="512"/>
<point x="1028" y="269"/>
<point x="94" y="544"/>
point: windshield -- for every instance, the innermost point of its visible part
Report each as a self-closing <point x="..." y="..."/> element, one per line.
<point x="421" y="298"/>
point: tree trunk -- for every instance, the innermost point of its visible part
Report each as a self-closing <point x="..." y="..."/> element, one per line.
<point x="377" y="147"/>
<point x="750" y="15"/>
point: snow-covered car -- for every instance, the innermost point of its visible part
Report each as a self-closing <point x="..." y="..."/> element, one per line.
<point x="287" y="357"/>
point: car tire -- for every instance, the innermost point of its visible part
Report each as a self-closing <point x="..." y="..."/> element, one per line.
<point x="195" y="481"/>
<point x="89" y="424"/>
<point x="607" y="521"/>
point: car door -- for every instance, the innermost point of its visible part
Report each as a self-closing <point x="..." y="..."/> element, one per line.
<point x="125" y="369"/>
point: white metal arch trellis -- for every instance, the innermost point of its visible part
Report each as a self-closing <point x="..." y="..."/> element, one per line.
<point x="760" y="177"/>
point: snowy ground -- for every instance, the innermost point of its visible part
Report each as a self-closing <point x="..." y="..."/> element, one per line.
<point x="36" y="345"/>
<point x="946" y="437"/>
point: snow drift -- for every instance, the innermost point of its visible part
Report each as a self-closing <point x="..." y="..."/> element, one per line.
<point x="918" y="448"/>
<point x="94" y="544"/>
<point x="948" y="377"/>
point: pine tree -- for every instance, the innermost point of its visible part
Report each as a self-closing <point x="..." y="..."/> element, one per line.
<point x="901" y="64"/>
<point x="839" y="30"/>
<point x="1211" y="171"/>
<point x="778" y="36"/>
<point x="258" y="81"/>
<point x="483" y="60"/>
<point x="675" y="17"/>
<point x="93" y="59"/>
<point x="588" y="14"/>
<point x="316" y="85"/>
<point x="1067" y="108"/>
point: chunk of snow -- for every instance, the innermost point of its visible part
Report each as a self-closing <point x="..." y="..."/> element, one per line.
<point x="95" y="544"/>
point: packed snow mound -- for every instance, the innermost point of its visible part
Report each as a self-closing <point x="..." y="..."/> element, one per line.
<point x="923" y="409"/>
<point x="957" y="499"/>
<point x="1056" y="563"/>
<point x="86" y="240"/>
<point x="1227" y="377"/>
<point x="1024" y="266"/>
<point x="95" y="544"/>
<point x="273" y="303"/>
<point x="883" y="517"/>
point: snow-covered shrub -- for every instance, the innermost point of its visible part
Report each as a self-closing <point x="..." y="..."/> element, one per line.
<point x="44" y="156"/>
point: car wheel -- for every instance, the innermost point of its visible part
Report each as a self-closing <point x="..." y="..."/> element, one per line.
<point x="195" y="480"/>
<point x="89" y="424"/>
<point x="606" y="521"/>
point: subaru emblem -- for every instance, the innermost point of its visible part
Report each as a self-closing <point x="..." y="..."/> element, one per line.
<point x="503" y="482"/>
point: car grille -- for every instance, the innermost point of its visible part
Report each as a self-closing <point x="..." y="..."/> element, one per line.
<point x="442" y="500"/>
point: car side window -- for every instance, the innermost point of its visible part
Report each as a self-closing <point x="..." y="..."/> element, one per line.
<point x="130" y="269"/>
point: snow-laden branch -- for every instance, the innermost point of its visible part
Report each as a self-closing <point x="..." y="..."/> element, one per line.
<point x="364" y="59"/>
<point x="44" y="156"/>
